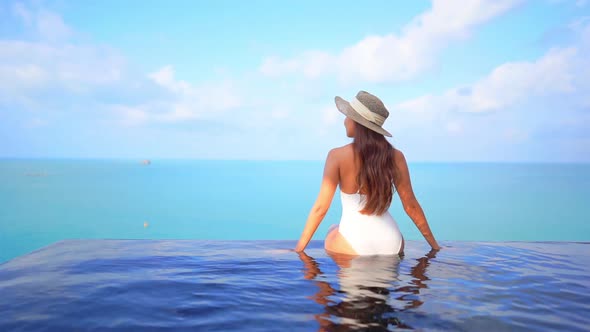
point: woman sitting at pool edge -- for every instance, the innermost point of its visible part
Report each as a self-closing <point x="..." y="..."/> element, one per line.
<point x="368" y="170"/>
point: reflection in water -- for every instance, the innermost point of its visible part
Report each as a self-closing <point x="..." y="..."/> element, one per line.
<point x="366" y="291"/>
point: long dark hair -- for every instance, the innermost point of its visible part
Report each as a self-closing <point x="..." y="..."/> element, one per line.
<point x="377" y="169"/>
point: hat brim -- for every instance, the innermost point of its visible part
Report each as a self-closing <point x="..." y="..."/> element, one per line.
<point x="345" y="108"/>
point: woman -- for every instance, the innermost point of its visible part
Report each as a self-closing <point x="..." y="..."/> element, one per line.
<point x="367" y="172"/>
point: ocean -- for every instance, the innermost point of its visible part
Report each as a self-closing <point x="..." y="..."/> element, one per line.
<point x="204" y="245"/>
<point x="44" y="201"/>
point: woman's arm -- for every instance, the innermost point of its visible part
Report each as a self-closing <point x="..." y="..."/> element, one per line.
<point x="409" y="201"/>
<point x="322" y="203"/>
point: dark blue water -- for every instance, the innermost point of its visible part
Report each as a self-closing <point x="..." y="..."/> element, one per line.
<point x="178" y="285"/>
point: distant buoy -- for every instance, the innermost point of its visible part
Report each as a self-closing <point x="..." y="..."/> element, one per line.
<point x="146" y="162"/>
<point x="145" y="224"/>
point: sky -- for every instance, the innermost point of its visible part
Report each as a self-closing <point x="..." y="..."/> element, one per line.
<point x="480" y="80"/>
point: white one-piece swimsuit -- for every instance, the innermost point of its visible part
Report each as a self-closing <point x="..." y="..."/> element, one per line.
<point x="368" y="234"/>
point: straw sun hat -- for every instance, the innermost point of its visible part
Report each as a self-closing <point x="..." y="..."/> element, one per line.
<point x="365" y="109"/>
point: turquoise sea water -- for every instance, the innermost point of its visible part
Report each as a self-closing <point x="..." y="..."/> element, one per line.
<point x="44" y="201"/>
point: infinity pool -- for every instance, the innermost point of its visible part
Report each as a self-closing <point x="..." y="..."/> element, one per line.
<point x="261" y="286"/>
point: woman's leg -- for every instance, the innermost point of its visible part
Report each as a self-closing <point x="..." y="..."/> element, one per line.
<point x="336" y="243"/>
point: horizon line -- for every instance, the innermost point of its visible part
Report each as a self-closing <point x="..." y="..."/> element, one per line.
<point x="4" y="158"/>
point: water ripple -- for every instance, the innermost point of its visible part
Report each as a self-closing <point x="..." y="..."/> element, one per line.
<point x="257" y="285"/>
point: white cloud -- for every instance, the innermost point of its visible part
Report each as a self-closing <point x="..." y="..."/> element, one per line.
<point x="513" y="111"/>
<point x="291" y="118"/>
<point x="274" y="66"/>
<point x="392" y="57"/>
<point x="454" y="127"/>
<point x="130" y="116"/>
<point x="29" y="75"/>
<point x="556" y="73"/>
<point x="54" y="65"/>
<point x="202" y="99"/>
<point x="47" y="25"/>
<point x="165" y="78"/>
<point x="279" y="113"/>
<point x="186" y="102"/>
<point x="330" y="115"/>
<point x="23" y="13"/>
<point x="34" y="65"/>
<point x="514" y="135"/>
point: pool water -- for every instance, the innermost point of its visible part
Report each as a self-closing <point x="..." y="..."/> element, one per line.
<point x="211" y="285"/>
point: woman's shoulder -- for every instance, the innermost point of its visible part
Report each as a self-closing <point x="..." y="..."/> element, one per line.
<point x="342" y="149"/>
<point x="348" y="149"/>
<point x="340" y="154"/>
<point x="398" y="157"/>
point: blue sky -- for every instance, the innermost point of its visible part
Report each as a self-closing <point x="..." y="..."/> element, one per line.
<point x="501" y="80"/>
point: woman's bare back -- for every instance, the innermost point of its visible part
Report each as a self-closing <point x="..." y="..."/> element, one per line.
<point x="349" y="167"/>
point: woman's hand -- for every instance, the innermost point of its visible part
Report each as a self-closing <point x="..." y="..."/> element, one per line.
<point x="296" y="249"/>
